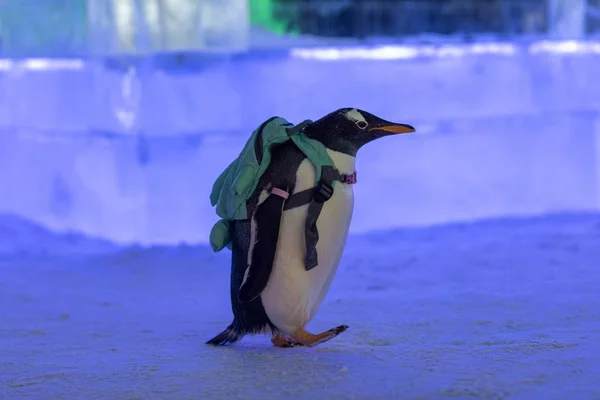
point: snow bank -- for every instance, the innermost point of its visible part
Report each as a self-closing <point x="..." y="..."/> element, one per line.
<point x="128" y="151"/>
<point x="23" y="238"/>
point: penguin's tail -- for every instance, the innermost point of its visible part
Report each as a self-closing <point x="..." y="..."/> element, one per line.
<point x="227" y="337"/>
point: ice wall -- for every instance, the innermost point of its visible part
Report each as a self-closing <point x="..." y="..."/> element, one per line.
<point x="130" y="153"/>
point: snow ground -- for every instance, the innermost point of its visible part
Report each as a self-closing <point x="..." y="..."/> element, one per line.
<point x="503" y="309"/>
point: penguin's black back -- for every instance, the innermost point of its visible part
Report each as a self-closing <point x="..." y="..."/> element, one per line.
<point x="251" y="317"/>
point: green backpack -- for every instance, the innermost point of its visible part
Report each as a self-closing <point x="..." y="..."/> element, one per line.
<point x="238" y="181"/>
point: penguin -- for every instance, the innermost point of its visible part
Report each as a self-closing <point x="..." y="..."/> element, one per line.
<point x="272" y="291"/>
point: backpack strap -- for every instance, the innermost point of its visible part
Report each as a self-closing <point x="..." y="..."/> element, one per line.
<point x="298" y="128"/>
<point x="323" y="192"/>
<point x="315" y="197"/>
<point x="304" y="197"/>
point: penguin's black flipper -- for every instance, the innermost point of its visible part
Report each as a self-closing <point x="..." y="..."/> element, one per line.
<point x="265" y="233"/>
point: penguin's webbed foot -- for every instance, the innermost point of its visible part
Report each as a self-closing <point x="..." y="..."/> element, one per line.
<point x="308" y="339"/>
<point x="280" y="340"/>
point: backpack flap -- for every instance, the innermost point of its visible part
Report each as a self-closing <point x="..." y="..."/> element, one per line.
<point x="220" y="235"/>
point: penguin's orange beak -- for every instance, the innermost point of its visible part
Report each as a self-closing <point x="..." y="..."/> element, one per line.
<point x="396" y="128"/>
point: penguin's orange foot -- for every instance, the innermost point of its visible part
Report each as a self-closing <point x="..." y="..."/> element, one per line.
<point x="281" y="341"/>
<point x="310" y="340"/>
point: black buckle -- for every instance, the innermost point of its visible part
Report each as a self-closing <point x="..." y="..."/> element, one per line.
<point x="323" y="192"/>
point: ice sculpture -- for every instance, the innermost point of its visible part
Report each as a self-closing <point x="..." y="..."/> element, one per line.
<point x="566" y="19"/>
<point x="30" y="28"/>
<point x="142" y="26"/>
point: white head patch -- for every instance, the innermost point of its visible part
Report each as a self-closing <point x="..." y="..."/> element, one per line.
<point x="355" y="116"/>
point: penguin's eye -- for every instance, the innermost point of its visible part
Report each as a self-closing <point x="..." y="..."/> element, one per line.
<point x="362" y="124"/>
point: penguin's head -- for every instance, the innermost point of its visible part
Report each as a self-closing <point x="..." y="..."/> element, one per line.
<point x="348" y="129"/>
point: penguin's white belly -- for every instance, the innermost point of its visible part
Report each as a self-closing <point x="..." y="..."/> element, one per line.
<point x="293" y="295"/>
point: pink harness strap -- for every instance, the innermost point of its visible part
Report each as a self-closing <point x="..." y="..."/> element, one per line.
<point x="349" y="179"/>
<point x="280" y="193"/>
